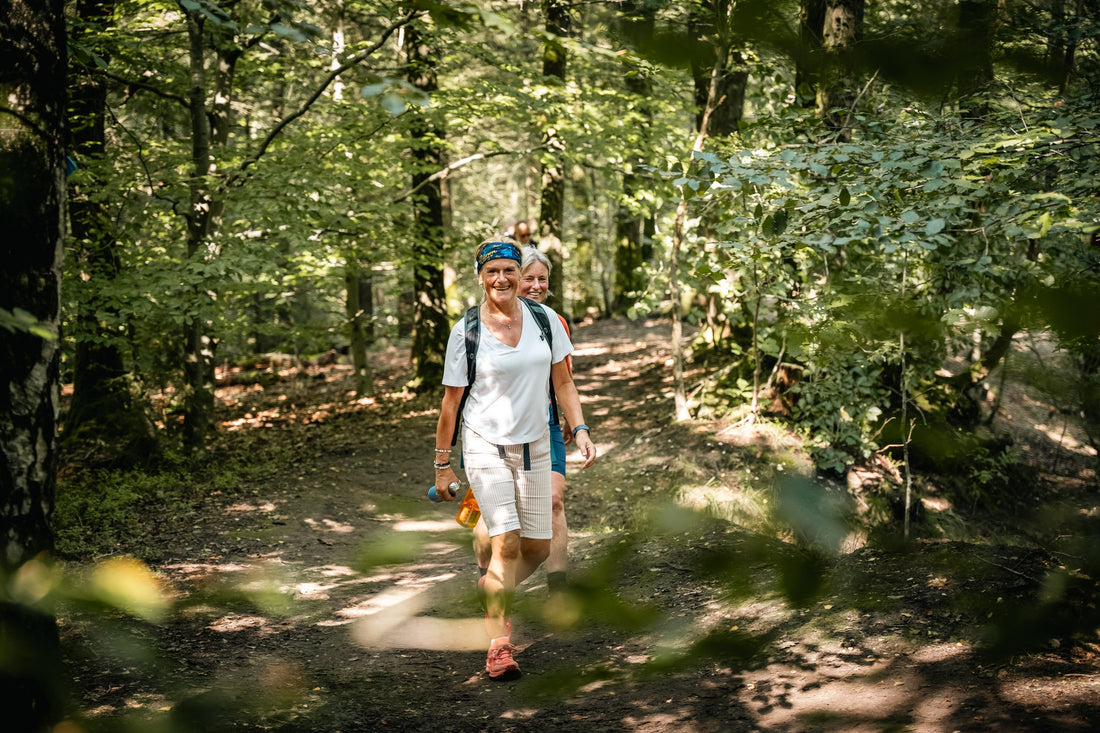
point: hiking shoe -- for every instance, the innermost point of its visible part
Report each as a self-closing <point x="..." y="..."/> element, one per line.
<point x="499" y="663"/>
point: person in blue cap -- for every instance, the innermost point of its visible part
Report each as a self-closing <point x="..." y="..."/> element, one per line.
<point x="505" y="436"/>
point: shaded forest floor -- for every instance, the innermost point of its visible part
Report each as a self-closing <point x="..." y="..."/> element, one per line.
<point x="332" y="596"/>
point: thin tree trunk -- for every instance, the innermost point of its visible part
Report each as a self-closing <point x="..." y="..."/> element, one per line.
<point x="630" y="225"/>
<point x="431" y="326"/>
<point x="552" y="200"/>
<point x="811" y="26"/>
<point x="103" y="405"/>
<point x="679" y="392"/>
<point x="837" y="90"/>
<point x="977" y="27"/>
<point x="198" y="365"/>
<point x="356" y="315"/>
<point x="32" y="200"/>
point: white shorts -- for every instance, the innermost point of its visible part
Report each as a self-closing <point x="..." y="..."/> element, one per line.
<point x="511" y="483"/>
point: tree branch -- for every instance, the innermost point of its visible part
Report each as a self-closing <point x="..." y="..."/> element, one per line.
<point x="144" y="86"/>
<point x="233" y="179"/>
<point x="444" y="172"/>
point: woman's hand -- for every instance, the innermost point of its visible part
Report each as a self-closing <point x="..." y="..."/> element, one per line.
<point x="586" y="447"/>
<point x="444" y="477"/>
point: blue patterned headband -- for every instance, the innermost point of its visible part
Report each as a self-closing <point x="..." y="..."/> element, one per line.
<point x="498" y="251"/>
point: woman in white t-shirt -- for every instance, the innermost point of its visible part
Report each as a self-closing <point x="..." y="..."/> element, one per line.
<point x="505" y="437"/>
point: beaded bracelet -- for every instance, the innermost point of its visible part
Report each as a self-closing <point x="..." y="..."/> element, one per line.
<point x="443" y="450"/>
<point x="439" y="466"/>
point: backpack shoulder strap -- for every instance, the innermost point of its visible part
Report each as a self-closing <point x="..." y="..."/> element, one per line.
<point x="472" y="331"/>
<point x="543" y="320"/>
<point x="540" y="318"/>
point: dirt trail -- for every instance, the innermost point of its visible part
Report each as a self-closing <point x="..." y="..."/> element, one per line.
<point x="374" y="624"/>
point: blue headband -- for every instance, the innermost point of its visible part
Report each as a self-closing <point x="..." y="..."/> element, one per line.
<point x="498" y="251"/>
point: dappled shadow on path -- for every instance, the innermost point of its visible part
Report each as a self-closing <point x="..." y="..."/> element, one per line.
<point x="335" y="597"/>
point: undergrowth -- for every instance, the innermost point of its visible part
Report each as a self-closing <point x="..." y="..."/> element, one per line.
<point x="100" y="512"/>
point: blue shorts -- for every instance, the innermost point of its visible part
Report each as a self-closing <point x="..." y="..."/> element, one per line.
<point x="557" y="450"/>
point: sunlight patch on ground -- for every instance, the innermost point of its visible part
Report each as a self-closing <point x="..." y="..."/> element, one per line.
<point x="1060" y="437"/>
<point x="390" y="620"/>
<point x="422" y="632"/>
<point x="1025" y="691"/>
<point x="425" y="525"/>
<point x="779" y="702"/>
<point x="244" y="506"/>
<point x="330" y="571"/>
<point x="233" y="622"/>
<point x="202" y="568"/>
<point x="939" y="652"/>
<point x="329" y="525"/>
<point x="404" y="594"/>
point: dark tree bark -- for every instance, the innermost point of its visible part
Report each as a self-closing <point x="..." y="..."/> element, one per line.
<point x="721" y="77"/>
<point x="358" y="310"/>
<point x="837" y="90"/>
<point x="431" y="324"/>
<point x="811" y="27"/>
<point x="198" y="367"/>
<point x="1063" y="40"/>
<point x="33" y="61"/>
<point x="104" y="407"/>
<point x="977" y="27"/>
<point x="631" y="226"/>
<point x="711" y="24"/>
<point x="552" y="199"/>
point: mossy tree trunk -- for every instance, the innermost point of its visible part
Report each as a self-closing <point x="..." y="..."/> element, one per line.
<point x="33" y="57"/>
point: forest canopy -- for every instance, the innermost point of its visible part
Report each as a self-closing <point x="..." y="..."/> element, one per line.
<point x="843" y="195"/>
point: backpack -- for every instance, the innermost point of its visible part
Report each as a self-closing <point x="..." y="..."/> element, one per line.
<point x="473" y="337"/>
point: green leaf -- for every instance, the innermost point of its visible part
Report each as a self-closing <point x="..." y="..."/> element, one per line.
<point x="935" y="226"/>
<point x="845" y="197"/>
<point x="18" y="320"/>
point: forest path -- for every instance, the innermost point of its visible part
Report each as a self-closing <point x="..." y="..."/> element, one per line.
<point x="336" y="597"/>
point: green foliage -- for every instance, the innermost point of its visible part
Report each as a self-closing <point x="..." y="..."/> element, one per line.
<point x="107" y="512"/>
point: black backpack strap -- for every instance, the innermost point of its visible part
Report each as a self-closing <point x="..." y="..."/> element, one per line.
<point x="544" y="325"/>
<point x="472" y="330"/>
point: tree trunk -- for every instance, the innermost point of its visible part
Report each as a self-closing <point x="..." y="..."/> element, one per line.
<point x="357" y="315"/>
<point x="721" y="77"/>
<point x="552" y="200"/>
<point x="631" y="225"/>
<point x="431" y="324"/>
<point x="1063" y="41"/>
<point x="103" y="407"/>
<point x="811" y="26"/>
<point x="32" y="193"/>
<point x="977" y="26"/>
<point x="837" y="88"/>
<point x="198" y="403"/>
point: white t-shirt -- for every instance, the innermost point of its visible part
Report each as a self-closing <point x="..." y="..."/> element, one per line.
<point x="507" y="402"/>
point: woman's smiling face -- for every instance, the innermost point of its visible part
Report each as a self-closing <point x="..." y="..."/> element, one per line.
<point x="534" y="282"/>
<point x="499" y="279"/>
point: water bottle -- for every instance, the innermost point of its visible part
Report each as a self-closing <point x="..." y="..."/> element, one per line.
<point x="468" y="511"/>
<point x="452" y="488"/>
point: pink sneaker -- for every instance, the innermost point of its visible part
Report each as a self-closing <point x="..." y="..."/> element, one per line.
<point x="499" y="663"/>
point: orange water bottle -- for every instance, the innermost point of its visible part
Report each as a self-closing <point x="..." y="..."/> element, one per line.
<point x="468" y="511"/>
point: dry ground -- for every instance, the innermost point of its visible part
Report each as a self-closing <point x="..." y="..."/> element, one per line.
<point x="335" y="597"/>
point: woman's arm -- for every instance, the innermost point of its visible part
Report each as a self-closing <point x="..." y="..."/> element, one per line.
<point x="570" y="403"/>
<point x="444" y="430"/>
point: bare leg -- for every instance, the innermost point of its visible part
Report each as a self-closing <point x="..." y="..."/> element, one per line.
<point x="559" y="544"/>
<point x="513" y="560"/>
<point x="483" y="547"/>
